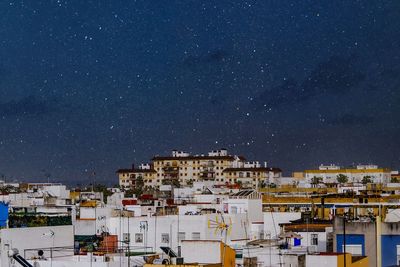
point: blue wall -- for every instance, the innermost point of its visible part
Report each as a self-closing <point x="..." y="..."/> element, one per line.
<point x="350" y="240"/>
<point x="389" y="251"/>
<point x="3" y="214"/>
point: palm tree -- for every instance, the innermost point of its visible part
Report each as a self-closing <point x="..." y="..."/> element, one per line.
<point x="366" y="180"/>
<point x="316" y="180"/>
<point x="342" y="179"/>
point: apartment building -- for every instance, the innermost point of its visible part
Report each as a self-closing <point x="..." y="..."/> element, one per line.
<point x="329" y="173"/>
<point x="184" y="168"/>
<point x="128" y="177"/>
<point x="181" y="168"/>
<point x="252" y="175"/>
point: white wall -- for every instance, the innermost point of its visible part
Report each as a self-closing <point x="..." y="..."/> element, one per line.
<point x="273" y="219"/>
<point x="57" y="190"/>
<point x="251" y="207"/>
<point x="188" y="224"/>
<point x="25" y="239"/>
<point x="201" y="251"/>
<point x="321" y="260"/>
<point x="89" y="261"/>
<point x="266" y="256"/>
<point x="92" y="220"/>
<point x="307" y="240"/>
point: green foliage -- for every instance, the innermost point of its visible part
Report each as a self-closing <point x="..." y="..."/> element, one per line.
<point x="9" y="189"/>
<point x="272" y="185"/>
<point x="316" y="180"/>
<point x="173" y="182"/>
<point x="139" y="186"/>
<point x="366" y="180"/>
<point x="129" y="193"/>
<point x="176" y="183"/>
<point x="342" y="179"/>
<point x="32" y="220"/>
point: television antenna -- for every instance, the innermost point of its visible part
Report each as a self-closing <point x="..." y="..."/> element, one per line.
<point x="224" y="227"/>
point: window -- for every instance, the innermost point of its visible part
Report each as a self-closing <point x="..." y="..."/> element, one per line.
<point x="138" y="238"/>
<point x="314" y="239"/>
<point x="398" y="254"/>
<point x="126" y="238"/>
<point x="234" y="210"/>
<point x="181" y="236"/>
<point x="196" y="235"/>
<point x="165" y="238"/>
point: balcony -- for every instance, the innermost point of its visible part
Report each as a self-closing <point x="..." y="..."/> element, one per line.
<point x="170" y="169"/>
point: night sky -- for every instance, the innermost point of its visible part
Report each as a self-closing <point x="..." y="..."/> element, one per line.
<point x="92" y="86"/>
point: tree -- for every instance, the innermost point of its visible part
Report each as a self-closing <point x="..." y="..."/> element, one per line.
<point x="138" y="188"/>
<point x="394" y="180"/>
<point x="342" y="179"/>
<point x="366" y="180"/>
<point x="129" y="193"/>
<point x="189" y="183"/>
<point x="316" y="180"/>
<point x="176" y="183"/>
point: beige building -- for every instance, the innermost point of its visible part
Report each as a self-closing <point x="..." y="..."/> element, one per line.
<point x="252" y="177"/>
<point x="128" y="177"/>
<point x="329" y="173"/>
<point x="181" y="168"/>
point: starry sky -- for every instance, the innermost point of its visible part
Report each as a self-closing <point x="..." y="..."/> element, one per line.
<point x="92" y="86"/>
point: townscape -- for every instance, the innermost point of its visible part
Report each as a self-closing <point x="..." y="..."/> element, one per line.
<point x="213" y="209"/>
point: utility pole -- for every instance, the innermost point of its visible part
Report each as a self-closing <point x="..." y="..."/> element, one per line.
<point x="129" y="244"/>
<point x="344" y="240"/>
<point x="378" y="238"/>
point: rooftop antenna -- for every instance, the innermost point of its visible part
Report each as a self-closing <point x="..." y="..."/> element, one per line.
<point x="225" y="229"/>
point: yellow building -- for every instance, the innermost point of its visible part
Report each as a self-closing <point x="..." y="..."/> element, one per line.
<point x="181" y="169"/>
<point x="252" y="177"/>
<point x="329" y="174"/>
<point x="184" y="168"/>
<point x="128" y="178"/>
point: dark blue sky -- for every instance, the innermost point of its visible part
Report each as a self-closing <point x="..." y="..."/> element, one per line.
<point x="95" y="85"/>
